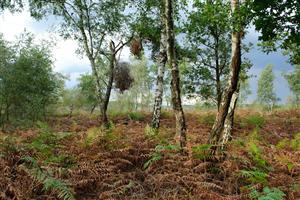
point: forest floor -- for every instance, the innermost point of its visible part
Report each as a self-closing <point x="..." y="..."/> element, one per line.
<point x="75" y="156"/>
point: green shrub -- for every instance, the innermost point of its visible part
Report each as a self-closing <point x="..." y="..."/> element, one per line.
<point x="256" y="155"/>
<point x="136" y="116"/>
<point x="46" y="143"/>
<point x="92" y="135"/>
<point x="202" y="151"/>
<point x="9" y="145"/>
<point x="208" y="119"/>
<point x="107" y="137"/>
<point x="158" y="153"/>
<point x="49" y="182"/>
<point x="254" y="176"/>
<point x="253" y="120"/>
<point x="150" y="132"/>
<point x="290" y="143"/>
<point x="166" y="114"/>
<point x="267" y="194"/>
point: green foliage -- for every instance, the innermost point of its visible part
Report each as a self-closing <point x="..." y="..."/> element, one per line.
<point x="92" y="135"/>
<point x="158" y="153"/>
<point x="49" y="182"/>
<point x="202" y="151"/>
<point x="139" y="96"/>
<point x="150" y="132"/>
<point x="265" y="92"/>
<point x="28" y="85"/>
<point x="267" y="194"/>
<point x="208" y="33"/>
<point x="282" y="24"/>
<point x="10" y="145"/>
<point x="208" y="30"/>
<point x="293" y="80"/>
<point x="253" y="120"/>
<point x="293" y="143"/>
<point x="15" y="5"/>
<point x="136" y="116"/>
<point x="46" y="143"/>
<point x="208" y="119"/>
<point x="256" y="154"/>
<point x="254" y="176"/>
<point x="106" y="136"/>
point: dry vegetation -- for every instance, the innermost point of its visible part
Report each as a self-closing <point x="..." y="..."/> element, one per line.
<point x="74" y="158"/>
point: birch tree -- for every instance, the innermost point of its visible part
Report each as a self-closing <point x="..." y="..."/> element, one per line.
<point x="221" y="130"/>
<point x="150" y="28"/>
<point x="175" y="82"/>
<point x="91" y="23"/>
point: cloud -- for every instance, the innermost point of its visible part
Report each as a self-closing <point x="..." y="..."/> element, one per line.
<point x="68" y="63"/>
<point x="66" y="60"/>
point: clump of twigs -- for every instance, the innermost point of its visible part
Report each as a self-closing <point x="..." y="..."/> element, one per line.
<point x="123" y="78"/>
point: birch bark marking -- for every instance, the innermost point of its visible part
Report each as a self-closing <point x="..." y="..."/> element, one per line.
<point x="161" y="64"/>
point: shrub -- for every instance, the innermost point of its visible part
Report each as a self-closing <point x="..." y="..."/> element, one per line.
<point x="256" y="154"/>
<point x="290" y="143"/>
<point x="49" y="182"/>
<point x="47" y="142"/>
<point x="267" y="194"/>
<point x="106" y="136"/>
<point x="208" y="119"/>
<point x="136" y="116"/>
<point x="92" y="135"/>
<point x="158" y="153"/>
<point x="254" y="176"/>
<point x="150" y="132"/>
<point x="202" y="151"/>
<point x="253" y="120"/>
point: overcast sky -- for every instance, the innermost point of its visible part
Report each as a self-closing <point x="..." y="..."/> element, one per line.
<point x="68" y="63"/>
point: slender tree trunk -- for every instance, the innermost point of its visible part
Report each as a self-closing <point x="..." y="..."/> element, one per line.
<point x="217" y="132"/>
<point x="161" y="64"/>
<point x="218" y="75"/>
<point x="175" y="83"/>
<point x="105" y="102"/>
<point x="228" y="125"/>
<point x="93" y="108"/>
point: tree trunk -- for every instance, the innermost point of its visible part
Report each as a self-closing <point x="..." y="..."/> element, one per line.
<point x="105" y="102"/>
<point x="218" y="127"/>
<point x="218" y="74"/>
<point x="228" y="125"/>
<point x="161" y="63"/>
<point x="93" y="108"/>
<point x="175" y="82"/>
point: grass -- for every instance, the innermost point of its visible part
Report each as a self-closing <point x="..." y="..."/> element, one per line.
<point x="207" y="119"/>
<point x="255" y="120"/>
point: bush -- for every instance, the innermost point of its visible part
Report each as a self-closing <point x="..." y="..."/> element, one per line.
<point x="254" y="176"/>
<point x="107" y="137"/>
<point x="202" y="151"/>
<point x="290" y="143"/>
<point x="267" y="194"/>
<point x="136" y="116"/>
<point x="28" y="85"/>
<point x="253" y="120"/>
<point x="46" y="144"/>
<point x="158" y="153"/>
<point x="49" y="182"/>
<point x="208" y="119"/>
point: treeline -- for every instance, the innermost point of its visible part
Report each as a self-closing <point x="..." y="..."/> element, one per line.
<point x="28" y="85"/>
